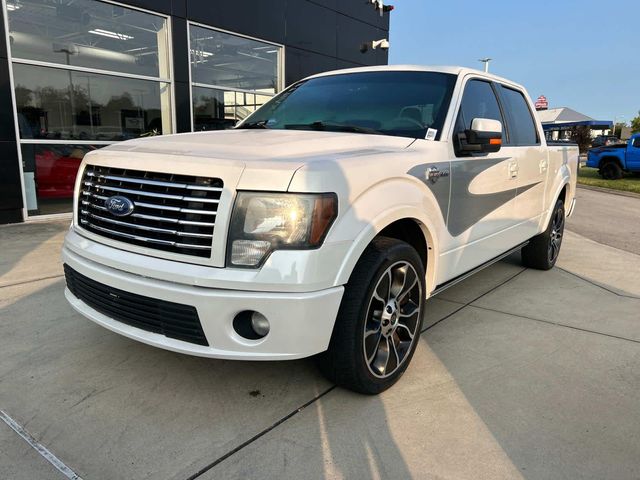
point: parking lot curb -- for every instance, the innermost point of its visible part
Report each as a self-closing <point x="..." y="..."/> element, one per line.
<point x="609" y="190"/>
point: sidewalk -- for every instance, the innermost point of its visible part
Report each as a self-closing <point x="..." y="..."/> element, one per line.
<point x="519" y="374"/>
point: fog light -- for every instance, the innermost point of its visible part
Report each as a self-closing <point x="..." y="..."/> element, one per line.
<point x="251" y="325"/>
<point x="260" y="324"/>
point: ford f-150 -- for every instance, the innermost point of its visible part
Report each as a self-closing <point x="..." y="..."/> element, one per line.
<point x="322" y="222"/>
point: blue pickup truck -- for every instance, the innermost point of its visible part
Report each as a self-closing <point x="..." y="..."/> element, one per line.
<point x="613" y="160"/>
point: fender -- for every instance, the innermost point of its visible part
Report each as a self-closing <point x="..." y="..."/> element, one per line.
<point x="407" y="198"/>
<point x="564" y="181"/>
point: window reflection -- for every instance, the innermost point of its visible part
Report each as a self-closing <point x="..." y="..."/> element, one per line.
<point x="59" y="104"/>
<point x="49" y="174"/>
<point x="246" y="70"/>
<point x="221" y="59"/>
<point x="219" y="109"/>
<point x="89" y="34"/>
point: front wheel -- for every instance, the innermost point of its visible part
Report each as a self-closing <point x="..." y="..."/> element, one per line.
<point x="542" y="250"/>
<point x="378" y="324"/>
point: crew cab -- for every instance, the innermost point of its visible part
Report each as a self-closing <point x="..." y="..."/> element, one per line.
<point x="322" y="222"/>
<point x="613" y="160"/>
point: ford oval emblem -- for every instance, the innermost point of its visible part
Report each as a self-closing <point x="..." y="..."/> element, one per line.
<point x="119" y="206"/>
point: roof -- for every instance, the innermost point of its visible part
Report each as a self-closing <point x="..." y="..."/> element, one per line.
<point x="567" y="117"/>
<point x="454" y="70"/>
<point x="562" y="114"/>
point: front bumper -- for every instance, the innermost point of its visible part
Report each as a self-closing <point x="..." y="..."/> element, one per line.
<point x="301" y="323"/>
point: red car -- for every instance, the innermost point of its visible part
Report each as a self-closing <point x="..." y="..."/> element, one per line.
<point x="56" y="169"/>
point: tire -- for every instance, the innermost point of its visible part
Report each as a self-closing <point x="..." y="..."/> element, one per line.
<point x="378" y="324"/>
<point x="542" y="250"/>
<point x="611" y="170"/>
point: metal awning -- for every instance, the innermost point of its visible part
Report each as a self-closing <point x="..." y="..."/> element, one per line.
<point x="594" y="124"/>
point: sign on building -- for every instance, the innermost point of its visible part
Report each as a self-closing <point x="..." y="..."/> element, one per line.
<point x="542" y="103"/>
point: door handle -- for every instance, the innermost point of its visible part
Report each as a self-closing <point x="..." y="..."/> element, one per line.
<point x="544" y="164"/>
<point x="513" y="169"/>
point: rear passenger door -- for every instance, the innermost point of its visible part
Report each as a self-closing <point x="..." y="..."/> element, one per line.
<point x="531" y="158"/>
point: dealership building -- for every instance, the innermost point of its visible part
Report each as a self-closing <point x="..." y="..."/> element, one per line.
<point x="77" y="75"/>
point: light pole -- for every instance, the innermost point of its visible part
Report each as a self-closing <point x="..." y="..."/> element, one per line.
<point x="615" y="122"/>
<point x="486" y="61"/>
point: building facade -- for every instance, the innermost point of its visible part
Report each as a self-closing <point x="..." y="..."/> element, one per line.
<point x="76" y="75"/>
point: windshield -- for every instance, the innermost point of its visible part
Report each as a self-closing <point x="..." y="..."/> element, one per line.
<point x="399" y="103"/>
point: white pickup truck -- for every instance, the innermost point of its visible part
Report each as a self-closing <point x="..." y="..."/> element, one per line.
<point x="320" y="224"/>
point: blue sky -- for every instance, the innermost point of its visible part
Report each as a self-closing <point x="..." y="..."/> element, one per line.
<point x="580" y="54"/>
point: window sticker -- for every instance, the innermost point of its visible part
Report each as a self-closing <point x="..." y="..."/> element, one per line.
<point x="431" y="134"/>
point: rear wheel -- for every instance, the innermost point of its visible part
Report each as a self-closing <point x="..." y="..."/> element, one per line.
<point x="542" y="250"/>
<point x="611" y="170"/>
<point x="378" y="325"/>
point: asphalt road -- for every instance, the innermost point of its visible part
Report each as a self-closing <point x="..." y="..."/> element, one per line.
<point x="607" y="218"/>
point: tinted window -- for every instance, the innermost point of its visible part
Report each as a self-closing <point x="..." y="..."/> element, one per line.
<point x="229" y="61"/>
<point x="91" y="34"/>
<point x="478" y="101"/>
<point x="636" y="142"/>
<point x="391" y="103"/>
<point x="522" y="128"/>
<point x="67" y="105"/>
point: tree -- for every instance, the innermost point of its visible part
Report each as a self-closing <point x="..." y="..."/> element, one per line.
<point x="635" y="124"/>
<point x="582" y="136"/>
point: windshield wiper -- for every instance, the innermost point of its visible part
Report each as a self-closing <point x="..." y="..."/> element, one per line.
<point x="257" y="124"/>
<point x="335" y="127"/>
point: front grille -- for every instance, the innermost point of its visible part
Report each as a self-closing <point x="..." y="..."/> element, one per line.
<point x="173" y="213"/>
<point x="170" y="319"/>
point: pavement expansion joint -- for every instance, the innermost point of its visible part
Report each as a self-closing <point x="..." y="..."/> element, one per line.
<point x="595" y="284"/>
<point x="465" y="305"/>
<point x="260" y="434"/>
<point x="557" y="324"/>
<point x="33" y="280"/>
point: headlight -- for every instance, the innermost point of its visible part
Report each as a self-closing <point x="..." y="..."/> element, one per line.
<point x="264" y="222"/>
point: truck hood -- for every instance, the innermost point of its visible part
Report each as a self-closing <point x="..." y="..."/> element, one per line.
<point x="264" y="145"/>
<point x="268" y="158"/>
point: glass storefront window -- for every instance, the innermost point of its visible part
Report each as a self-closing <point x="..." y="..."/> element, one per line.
<point x="49" y="175"/>
<point x="231" y="75"/>
<point x="225" y="60"/>
<point x="68" y="105"/>
<point x="88" y="33"/>
<point x="219" y="109"/>
<point x="86" y="73"/>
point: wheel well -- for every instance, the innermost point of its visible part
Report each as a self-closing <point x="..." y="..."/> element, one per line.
<point x="563" y="194"/>
<point x="606" y="160"/>
<point x="408" y="230"/>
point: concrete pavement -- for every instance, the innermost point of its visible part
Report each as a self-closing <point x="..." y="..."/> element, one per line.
<point x="608" y="218"/>
<point x="519" y="374"/>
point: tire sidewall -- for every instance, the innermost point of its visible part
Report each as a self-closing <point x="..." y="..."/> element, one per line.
<point x="558" y="206"/>
<point x="399" y="252"/>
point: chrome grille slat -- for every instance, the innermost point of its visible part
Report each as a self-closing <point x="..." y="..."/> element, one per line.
<point x="150" y="194"/>
<point x="144" y="239"/>
<point x="173" y="213"/>
<point x="146" y="228"/>
<point x="157" y="183"/>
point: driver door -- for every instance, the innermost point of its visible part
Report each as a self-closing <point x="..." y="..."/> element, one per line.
<point x="483" y="188"/>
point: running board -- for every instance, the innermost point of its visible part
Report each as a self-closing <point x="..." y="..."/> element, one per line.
<point x="464" y="276"/>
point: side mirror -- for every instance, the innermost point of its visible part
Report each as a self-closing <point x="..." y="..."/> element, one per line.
<point x="484" y="136"/>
